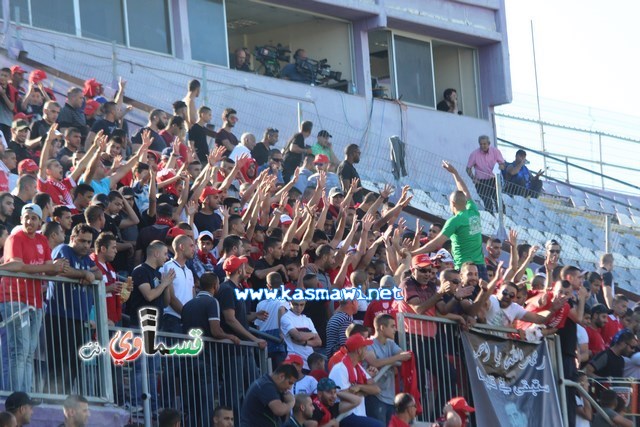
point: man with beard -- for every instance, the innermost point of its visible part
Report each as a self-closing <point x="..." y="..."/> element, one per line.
<point x="260" y="152"/>
<point x="181" y="291"/>
<point x="198" y="134"/>
<point x="610" y="363"/>
<point x="105" y="251"/>
<point x="6" y="210"/>
<point x="70" y="306"/>
<point x="347" y="172"/>
<point x="599" y="318"/>
<point x="224" y="136"/>
<point x="157" y="122"/>
<point x="295" y="150"/>
<point x="327" y="407"/>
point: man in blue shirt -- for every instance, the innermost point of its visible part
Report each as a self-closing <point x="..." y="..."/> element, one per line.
<point x="518" y="178"/>
<point x="70" y="306"/>
<point x="290" y="71"/>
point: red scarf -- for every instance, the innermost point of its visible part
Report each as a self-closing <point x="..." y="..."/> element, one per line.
<point x="326" y="414"/>
<point x="164" y="221"/>
<point x="408" y="381"/>
<point x="357" y="374"/>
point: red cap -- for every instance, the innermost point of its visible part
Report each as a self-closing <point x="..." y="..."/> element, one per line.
<point x="91" y="87"/>
<point x="165" y="175"/>
<point x="421" y="260"/>
<point x="37" y="76"/>
<point x="357" y="341"/>
<point x="22" y="116"/>
<point x="17" y="69"/>
<point x="175" y="232"/>
<point x="233" y="263"/>
<point x="155" y="154"/>
<point x="294" y="358"/>
<point x="209" y="191"/>
<point x="91" y="107"/>
<point x="27" y="166"/>
<point x="459" y="404"/>
<point x="321" y="158"/>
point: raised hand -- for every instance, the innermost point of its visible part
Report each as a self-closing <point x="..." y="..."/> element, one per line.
<point x="449" y="167"/>
<point x="192" y="208"/>
<point x="146" y="139"/>
<point x="513" y="237"/>
<point x="216" y="155"/>
<point x="386" y="191"/>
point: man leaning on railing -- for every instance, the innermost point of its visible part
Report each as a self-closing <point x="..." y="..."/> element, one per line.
<point x="21" y="299"/>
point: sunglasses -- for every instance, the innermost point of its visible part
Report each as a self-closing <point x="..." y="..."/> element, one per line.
<point x="508" y="294"/>
<point x="554" y="251"/>
<point x="425" y="270"/>
<point x="277" y="160"/>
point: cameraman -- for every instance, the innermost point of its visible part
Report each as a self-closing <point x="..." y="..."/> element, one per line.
<point x="239" y="60"/>
<point x="290" y="71"/>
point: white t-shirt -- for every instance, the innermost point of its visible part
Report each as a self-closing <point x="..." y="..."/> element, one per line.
<point x="271" y="306"/>
<point x="583" y="337"/>
<point x="340" y="376"/>
<point x="632" y="366"/>
<point x="290" y="321"/>
<point x="238" y="151"/>
<point x="581" y="422"/>
<point x="498" y="316"/>
<point x="306" y="384"/>
<point x="182" y="284"/>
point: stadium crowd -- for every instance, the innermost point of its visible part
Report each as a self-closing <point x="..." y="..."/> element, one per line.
<point x="163" y="220"/>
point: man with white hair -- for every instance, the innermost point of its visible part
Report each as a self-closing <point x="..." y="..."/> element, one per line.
<point x="247" y="143"/>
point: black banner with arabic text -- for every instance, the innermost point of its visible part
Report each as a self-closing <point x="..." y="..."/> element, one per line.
<point x="512" y="382"/>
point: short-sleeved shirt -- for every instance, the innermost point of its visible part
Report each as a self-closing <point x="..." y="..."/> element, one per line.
<point x="255" y="410"/>
<point x="225" y="134"/>
<point x="387" y="383"/>
<point x="596" y="343"/>
<point x="157" y="141"/>
<point x="143" y="273"/>
<point x="340" y="375"/>
<point x="149" y="234"/>
<point x="483" y="163"/>
<point x="20" y="149"/>
<point x="599" y="421"/>
<point x="105" y="126"/>
<point x="319" y="149"/>
<point x="611" y="328"/>
<point x="410" y="289"/>
<point x="198" y="135"/>
<point x="322" y="413"/>
<point x="465" y="231"/>
<point x="227" y="298"/>
<point x="375" y="308"/>
<point x="260" y="154"/>
<point x="346" y="171"/>
<point x="182" y="284"/>
<point x="208" y="222"/>
<point x="39" y="129"/>
<point x="607" y="279"/>
<point x="32" y="250"/>
<point x="498" y="316"/>
<point x="302" y="323"/>
<point x="102" y="186"/>
<point x="336" y="328"/>
<point x="290" y="71"/>
<point x="608" y="364"/>
<point x="71" y="300"/>
<point x="293" y="160"/>
<point x="197" y="313"/>
<point x="60" y="191"/>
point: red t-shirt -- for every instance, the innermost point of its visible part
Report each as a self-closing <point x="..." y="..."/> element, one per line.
<point x="60" y="191"/>
<point x="559" y="317"/>
<point x="114" y="306"/>
<point x="596" y="342"/>
<point x="610" y="329"/>
<point x="397" y="422"/>
<point x="33" y="251"/>
<point x="378" y="307"/>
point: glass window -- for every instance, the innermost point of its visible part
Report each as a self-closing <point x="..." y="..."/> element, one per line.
<point x="207" y="31"/>
<point x="23" y="8"/>
<point x="56" y="15"/>
<point x="102" y="20"/>
<point x="149" y="26"/>
<point x="454" y="68"/>
<point x="414" y="72"/>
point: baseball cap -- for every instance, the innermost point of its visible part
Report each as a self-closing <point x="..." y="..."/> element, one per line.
<point x="285" y="219"/>
<point x="18" y="399"/>
<point x="20" y="124"/>
<point x="599" y="308"/>
<point x="100" y="199"/>
<point x="294" y="358"/>
<point x="421" y="260"/>
<point x="31" y="208"/>
<point x="326" y="384"/>
<point x="321" y="158"/>
<point x="206" y="234"/>
<point x="208" y="191"/>
<point x="27" y="117"/>
<point x="357" y="341"/>
<point x="175" y="232"/>
<point x="127" y="191"/>
<point x="17" y="69"/>
<point x="460" y="404"/>
<point x="37" y="76"/>
<point x="167" y="152"/>
<point x="27" y="166"/>
<point x="335" y="191"/>
<point x="325" y="134"/>
<point x="233" y="263"/>
<point x="155" y="155"/>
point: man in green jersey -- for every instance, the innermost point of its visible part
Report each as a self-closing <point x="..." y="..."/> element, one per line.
<point x="464" y="228"/>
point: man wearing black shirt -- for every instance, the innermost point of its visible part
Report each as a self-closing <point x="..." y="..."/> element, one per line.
<point x="198" y="134"/>
<point x="148" y="283"/>
<point x="26" y="190"/>
<point x="347" y="172"/>
<point x="239" y="60"/>
<point x="295" y="149"/>
<point x="156" y="231"/>
<point x="207" y="218"/>
<point x="72" y="141"/>
<point x="72" y="114"/>
<point x="268" y="263"/>
<point x="19" y="132"/>
<point x="107" y="124"/>
<point x="157" y="122"/>
<point x="40" y="128"/>
<point x="6" y="210"/>
<point x="224" y="137"/>
<point x="260" y="152"/>
<point x="269" y="400"/>
<point x="610" y="362"/>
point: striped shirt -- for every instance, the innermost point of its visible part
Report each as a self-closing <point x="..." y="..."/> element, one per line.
<point x="336" y="329"/>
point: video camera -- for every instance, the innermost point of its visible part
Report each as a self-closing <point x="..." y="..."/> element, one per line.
<point x="317" y="71"/>
<point x="270" y="57"/>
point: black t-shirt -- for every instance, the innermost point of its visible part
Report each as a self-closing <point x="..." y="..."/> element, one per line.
<point x="255" y="410"/>
<point x="607" y="278"/>
<point x="569" y="335"/>
<point x="198" y="135"/>
<point x="346" y="171"/>
<point x="226" y="296"/>
<point x="105" y="126"/>
<point x="171" y="199"/>
<point x="39" y="129"/>
<point x="260" y="154"/>
<point x="225" y="134"/>
<point x="20" y="150"/>
<point x="443" y="106"/>
<point x="608" y="364"/>
<point x="209" y="222"/>
<point x="149" y="234"/>
<point x="197" y="313"/>
<point x="317" y="312"/>
<point x="262" y="264"/>
<point x="143" y="273"/>
<point x="158" y="143"/>
<point x="293" y="160"/>
<point x="17" y="209"/>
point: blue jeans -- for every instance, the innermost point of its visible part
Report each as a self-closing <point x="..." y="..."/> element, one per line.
<point x="379" y="410"/>
<point x="23" y="332"/>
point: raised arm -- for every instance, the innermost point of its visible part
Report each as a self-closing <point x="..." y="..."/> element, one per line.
<point x="461" y="186"/>
<point x="46" y="151"/>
